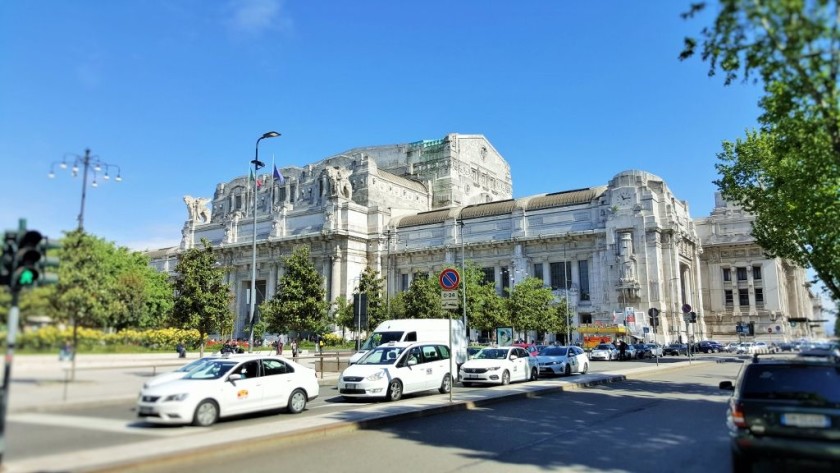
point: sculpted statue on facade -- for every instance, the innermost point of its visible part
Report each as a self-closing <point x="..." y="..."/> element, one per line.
<point x="628" y="259"/>
<point x="197" y="208"/>
<point x="340" y="182"/>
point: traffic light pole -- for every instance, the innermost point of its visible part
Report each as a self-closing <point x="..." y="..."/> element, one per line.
<point x="11" y="336"/>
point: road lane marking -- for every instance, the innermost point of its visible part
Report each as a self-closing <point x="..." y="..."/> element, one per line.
<point x="99" y="423"/>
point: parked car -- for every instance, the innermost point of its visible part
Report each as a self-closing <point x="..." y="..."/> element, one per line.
<point x="225" y="386"/>
<point x="732" y="347"/>
<point x="604" y="351"/>
<point x="784" y="411"/>
<point x="787" y="346"/>
<point x="745" y="348"/>
<point x="396" y="368"/>
<point x="643" y="351"/>
<point x="562" y="360"/>
<point x="655" y="349"/>
<point x="629" y="352"/>
<point x="709" y="346"/>
<point x="499" y="365"/>
<point x="675" y="349"/>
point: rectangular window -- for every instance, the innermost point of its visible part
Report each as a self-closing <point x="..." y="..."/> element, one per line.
<point x="728" y="298"/>
<point x="727" y="274"/>
<point x="742" y="274"/>
<point x="237" y="202"/>
<point x="561" y="275"/>
<point x="743" y="297"/>
<point x="489" y="275"/>
<point x="759" y="297"/>
<point x="583" y="277"/>
<point x="505" y="281"/>
<point x="757" y="272"/>
<point x="586" y="318"/>
<point x="538" y="271"/>
<point x="403" y="282"/>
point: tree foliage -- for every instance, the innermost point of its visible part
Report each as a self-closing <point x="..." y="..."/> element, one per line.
<point x="485" y="307"/>
<point x="371" y="283"/>
<point x="299" y="303"/>
<point x="529" y="305"/>
<point x="787" y="173"/>
<point x="203" y="299"/>
<point x="344" y="313"/>
<point x="422" y="300"/>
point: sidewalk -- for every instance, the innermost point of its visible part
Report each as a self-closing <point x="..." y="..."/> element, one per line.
<point x="100" y="378"/>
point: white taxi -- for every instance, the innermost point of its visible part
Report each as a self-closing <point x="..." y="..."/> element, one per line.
<point x="223" y="387"/>
<point x="499" y="365"/>
<point x="396" y="368"/>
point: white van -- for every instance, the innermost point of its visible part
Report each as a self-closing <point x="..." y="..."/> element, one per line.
<point x="419" y="330"/>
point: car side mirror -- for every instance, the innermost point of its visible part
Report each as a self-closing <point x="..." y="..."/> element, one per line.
<point x="235" y="377"/>
<point x="411" y="361"/>
<point x="726" y="386"/>
<point x="513" y="357"/>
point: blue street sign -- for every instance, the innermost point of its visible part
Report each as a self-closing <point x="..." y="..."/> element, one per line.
<point x="449" y="279"/>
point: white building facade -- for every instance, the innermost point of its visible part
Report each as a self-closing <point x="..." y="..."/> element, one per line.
<point x="615" y="250"/>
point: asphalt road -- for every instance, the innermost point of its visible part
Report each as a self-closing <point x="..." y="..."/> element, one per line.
<point x="69" y="429"/>
<point x="664" y="421"/>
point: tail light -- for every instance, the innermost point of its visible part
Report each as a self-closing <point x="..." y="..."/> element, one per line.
<point x="736" y="411"/>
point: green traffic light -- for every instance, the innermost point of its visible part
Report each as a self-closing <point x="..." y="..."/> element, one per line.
<point x="27" y="277"/>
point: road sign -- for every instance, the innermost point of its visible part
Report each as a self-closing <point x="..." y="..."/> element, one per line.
<point x="686" y="308"/>
<point x="653" y="312"/>
<point x="646" y="329"/>
<point x="449" y="279"/>
<point x="449" y="298"/>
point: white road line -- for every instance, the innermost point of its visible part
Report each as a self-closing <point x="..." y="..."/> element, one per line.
<point x="99" y="423"/>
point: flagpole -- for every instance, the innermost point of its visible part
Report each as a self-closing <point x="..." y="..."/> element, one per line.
<point x="273" y="184"/>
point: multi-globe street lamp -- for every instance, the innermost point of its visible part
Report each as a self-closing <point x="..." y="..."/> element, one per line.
<point x="90" y="165"/>
<point x="257" y="166"/>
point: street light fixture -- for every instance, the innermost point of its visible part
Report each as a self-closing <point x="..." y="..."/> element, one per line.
<point x="257" y="166"/>
<point x="86" y="161"/>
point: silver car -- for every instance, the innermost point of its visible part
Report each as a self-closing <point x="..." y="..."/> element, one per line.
<point x="604" y="351"/>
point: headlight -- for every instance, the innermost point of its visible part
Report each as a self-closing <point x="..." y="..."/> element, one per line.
<point x="175" y="397"/>
<point x="376" y="376"/>
<point x="494" y="368"/>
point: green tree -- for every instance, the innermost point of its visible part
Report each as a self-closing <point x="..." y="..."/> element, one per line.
<point x="558" y="319"/>
<point x="397" y="304"/>
<point x="787" y="173"/>
<point x="203" y="300"/>
<point x="344" y="314"/>
<point x="371" y="283"/>
<point x="485" y="307"/>
<point x="529" y="304"/>
<point x="422" y="300"/>
<point x="299" y="304"/>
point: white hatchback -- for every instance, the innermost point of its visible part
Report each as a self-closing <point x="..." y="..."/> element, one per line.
<point x="499" y="365"/>
<point x="225" y="387"/>
<point x="391" y="370"/>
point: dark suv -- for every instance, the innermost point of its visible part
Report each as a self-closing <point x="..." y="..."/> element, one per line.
<point x="785" y="410"/>
<point x="709" y="346"/>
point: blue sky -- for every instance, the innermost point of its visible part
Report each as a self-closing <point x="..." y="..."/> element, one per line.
<point x="176" y="93"/>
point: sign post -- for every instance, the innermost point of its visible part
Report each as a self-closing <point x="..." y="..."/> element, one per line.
<point x="449" y="280"/>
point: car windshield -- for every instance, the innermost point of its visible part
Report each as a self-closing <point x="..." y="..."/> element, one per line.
<point x="213" y="369"/>
<point x="603" y="347"/>
<point x="382" y="356"/>
<point x="193" y="365"/>
<point x="817" y="383"/>
<point x="492" y="354"/>
<point x="554" y="351"/>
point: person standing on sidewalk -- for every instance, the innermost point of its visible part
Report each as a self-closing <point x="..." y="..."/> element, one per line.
<point x="294" y="349"/>
<point x="279" y="346"/>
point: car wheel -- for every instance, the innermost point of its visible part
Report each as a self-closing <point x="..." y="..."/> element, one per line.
<point x="206" y="413"/>
<point x="567" y="371"/>
<point x="446" y="384"/>
<point x="395" y="391"/>
<point x="505" y="378"/>
<point x="297" y="402"/>
<point x="535" y="374"/>
<point x="585" y="368"/>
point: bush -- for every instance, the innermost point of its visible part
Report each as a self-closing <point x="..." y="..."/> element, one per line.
<point x="52" y="338"/>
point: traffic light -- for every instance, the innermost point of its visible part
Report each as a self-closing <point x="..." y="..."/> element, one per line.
<point x="47" y="262"/>
<point x="27" y="257"/>
<point x="7" y="264"/>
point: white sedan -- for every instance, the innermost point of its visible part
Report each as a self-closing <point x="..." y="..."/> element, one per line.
<point x="225" y="387"/>
<point x="604" y="351"/>
<point x="499" y="365"/>
<point x="562" y="360"/>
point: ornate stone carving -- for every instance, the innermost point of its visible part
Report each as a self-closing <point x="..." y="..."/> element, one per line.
<point x="197" y="208"/>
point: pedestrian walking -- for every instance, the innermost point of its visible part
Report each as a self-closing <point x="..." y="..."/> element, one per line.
<point x="294" y="349"/>
<point x="622" y="349"/>
<point x="279" y="346"/>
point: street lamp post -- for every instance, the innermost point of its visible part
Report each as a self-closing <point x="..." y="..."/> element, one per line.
<point x="86" y="161"/>
<point x="257" y="166"/>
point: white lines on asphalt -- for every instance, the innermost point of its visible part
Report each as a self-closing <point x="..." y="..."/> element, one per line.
<point x="98" y="423"/>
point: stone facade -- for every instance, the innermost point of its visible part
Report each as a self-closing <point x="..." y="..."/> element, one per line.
<point x="741" y="284"/>
<point x="613" y="250"/>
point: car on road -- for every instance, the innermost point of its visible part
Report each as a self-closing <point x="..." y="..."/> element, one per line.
<point x="655" y="349"/>
<point x="709" y="346"/>
<point x="784" y="411"/>
<point x="562" y="361"/>
<point x="761" y="348"/>
<point x="745" y="348"/>
<point x="228" y="386"/>
<point x="183" y="370"/>
<point x="396" y="368"/>
<point x="675" y="349"/>
<point x="642" y="351"/>
<point x="604" y="351"/>
<point x="499" y="365"/>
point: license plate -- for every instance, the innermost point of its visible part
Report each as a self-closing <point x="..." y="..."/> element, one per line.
<point x="473" y="376"/>
<point x="147" y="410"/>
<point x="351" y="386"/>
<point x="805" y="420"/>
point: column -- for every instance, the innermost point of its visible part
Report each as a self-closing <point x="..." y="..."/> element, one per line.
<point x="335" y="289"/>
